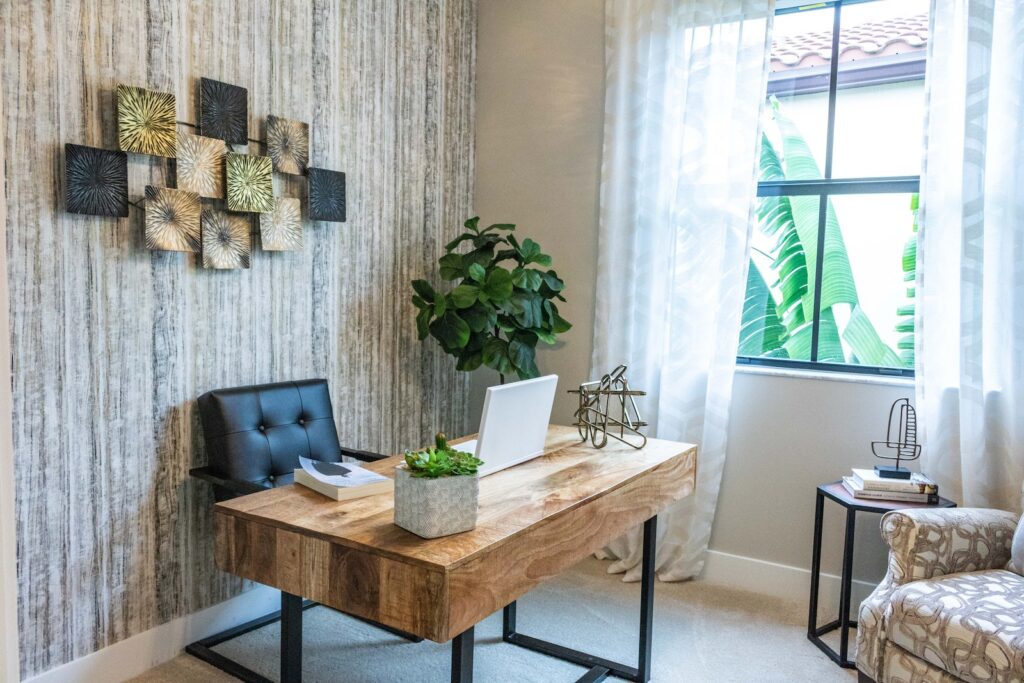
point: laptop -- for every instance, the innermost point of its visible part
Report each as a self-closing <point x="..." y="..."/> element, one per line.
<point x="514" y="423"/>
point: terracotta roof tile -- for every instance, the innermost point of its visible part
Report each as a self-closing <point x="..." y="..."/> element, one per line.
<point x="873" y="39"/>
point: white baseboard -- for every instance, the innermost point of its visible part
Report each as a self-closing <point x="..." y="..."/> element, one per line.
<point x="778" y="580"/>
<point x="140" y="653"/>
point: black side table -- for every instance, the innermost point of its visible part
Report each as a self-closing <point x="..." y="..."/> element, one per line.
<point x="838" y="493"/>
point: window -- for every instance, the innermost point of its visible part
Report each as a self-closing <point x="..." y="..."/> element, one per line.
<point x="839" y="174"/>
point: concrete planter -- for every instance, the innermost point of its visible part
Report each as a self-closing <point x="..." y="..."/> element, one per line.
<point x="431" y="508"/>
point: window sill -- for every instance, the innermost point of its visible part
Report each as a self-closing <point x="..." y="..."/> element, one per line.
<point x="849" y="377"/>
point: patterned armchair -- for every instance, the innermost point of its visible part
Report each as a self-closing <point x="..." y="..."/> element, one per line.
<point x="947" y="609"/>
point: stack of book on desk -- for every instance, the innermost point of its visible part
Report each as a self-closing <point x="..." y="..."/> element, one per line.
<point x="866" y="484"/>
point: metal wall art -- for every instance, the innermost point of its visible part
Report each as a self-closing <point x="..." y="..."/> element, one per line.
<point x="599" y="400"/>
<point x="288" y="144"/>
<point x="326" y="195"/>
<point x="146" y="121"/>
<point x="200" y="167"/>
<point x="223" y="111"/>
<point x="250" y="183"/>
<point x="281" y="229"/>
<point x="172" y="219"/>
<point x="97" y="181"/>
<point x="204" y="168"/>
<point x="226" y="240"/>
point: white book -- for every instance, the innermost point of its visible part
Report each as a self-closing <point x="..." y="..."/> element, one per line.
<point x="857" y="491"/>
<point x="341" y="480"/>
<point x="918" y="483"/>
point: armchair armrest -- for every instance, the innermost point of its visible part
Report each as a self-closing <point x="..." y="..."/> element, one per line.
<point x="927" y="543"/>
<point x="239" y="488"/>
<point x="365" y="456"/>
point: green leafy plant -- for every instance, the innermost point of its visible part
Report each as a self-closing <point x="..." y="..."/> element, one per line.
<point x="441" y="460"/>
<point x="502" y="304"/>
<point x="782" y="328"/>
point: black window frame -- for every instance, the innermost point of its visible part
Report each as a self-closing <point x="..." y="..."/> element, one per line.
<point x="816" y="82"/>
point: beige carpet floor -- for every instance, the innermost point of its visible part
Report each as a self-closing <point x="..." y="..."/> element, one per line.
<point x="701" y="633"/>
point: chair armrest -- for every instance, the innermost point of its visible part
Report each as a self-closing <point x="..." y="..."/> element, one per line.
<point x="239" y="488"/>
<point x="365" y="456"/>
<point x="925" y="543"/>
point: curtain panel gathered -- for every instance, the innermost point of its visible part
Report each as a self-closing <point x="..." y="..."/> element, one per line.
<point x="684" y="89"/>
<point x="970" y="274"/>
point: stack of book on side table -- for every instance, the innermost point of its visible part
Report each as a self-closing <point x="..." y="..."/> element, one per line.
<point x="866" y="484"/>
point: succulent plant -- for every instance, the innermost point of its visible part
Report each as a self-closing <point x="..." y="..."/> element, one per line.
<point x="441" y="460"/>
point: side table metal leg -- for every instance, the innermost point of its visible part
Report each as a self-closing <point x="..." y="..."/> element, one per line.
<point x="462" y="657"/>
<point x="647" y="600"/>
<point x="812" y="615"/>
<point x="291" y="638"/>
<point x="847" y="581"/>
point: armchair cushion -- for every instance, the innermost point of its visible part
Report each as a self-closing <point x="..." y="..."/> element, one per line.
<point x="970" y="625"/>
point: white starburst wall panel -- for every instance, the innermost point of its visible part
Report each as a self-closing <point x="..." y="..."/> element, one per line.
<point x="112" y="343"/>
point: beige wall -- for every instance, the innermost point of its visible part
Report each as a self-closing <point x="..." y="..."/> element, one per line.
<point x="540" y="92"/>
<point x="540" y="104"/>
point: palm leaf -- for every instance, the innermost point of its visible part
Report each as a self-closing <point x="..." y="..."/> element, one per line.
<point x="761" y="331"/>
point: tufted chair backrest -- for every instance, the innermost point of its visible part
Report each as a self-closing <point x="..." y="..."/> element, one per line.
<point x="257" y="433"/>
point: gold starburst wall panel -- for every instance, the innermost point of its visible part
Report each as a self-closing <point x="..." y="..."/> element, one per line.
<point x="288" y="144"/>
<point x="172" y="219"/>
<point x="200" y="165"/>
<point x="250" y="183"/>
<point x="281" y="229"/>
<point x="226" y="240"/>
<point x="146" y="121"/>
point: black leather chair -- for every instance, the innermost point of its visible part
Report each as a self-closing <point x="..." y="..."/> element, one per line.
<point x="254" y="436"/>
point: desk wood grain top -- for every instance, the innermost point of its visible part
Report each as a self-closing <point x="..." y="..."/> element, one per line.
<point x="535" y="520"/>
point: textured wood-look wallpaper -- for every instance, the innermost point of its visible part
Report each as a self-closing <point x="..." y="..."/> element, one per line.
<point x="112" y="344"/>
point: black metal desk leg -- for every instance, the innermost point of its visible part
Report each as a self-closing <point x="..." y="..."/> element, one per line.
<point x="291" y="638"/>
<point x="647" y="600"/>
<point x="462" y="657"/>
<point x="508" y="620"/>
<point x="844" y="597"/>
<point x="812" y="617"/>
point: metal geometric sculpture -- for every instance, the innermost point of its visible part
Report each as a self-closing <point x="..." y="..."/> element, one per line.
<point x="96" y="181"/>
<point x="223" y="111"/>
<point x="281" y="229"/>
<point x="172" y="219"/>
<point x="250" y="183"/>
<point x="200" y="165"/>
<point x="326" y="195"/>
<point x="594" y="414"/>
<point x="226" y="240"/>
<point x="288" y="144"/>
<point x="900" y="439"/>
<point x="146" y="121"/>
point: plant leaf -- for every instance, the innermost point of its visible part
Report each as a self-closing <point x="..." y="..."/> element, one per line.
<point x="424" y="290"/>
<point x="522" y="356"/>
<point x="761" y="331"/>
<point x="527" y="278"/>
<point x="472" y="224"/>
<point x="451" y="267"/>
<point x="498" y="286"/>
<point x="422" y="323"/>
<point x="464" y="295"/>
<point x="451" y="330"/>
<point x="476" y="272"/>
<point x="440" y="306"/>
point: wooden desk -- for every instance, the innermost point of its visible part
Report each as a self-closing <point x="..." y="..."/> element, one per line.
<point x="535" y="520"/>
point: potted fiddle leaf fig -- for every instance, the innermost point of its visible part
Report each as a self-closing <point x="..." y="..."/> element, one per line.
<point x="436" y="490"/>
<point x="501" y="304"/>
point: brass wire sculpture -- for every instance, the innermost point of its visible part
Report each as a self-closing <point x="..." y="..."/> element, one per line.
<point x="594" y="414"/>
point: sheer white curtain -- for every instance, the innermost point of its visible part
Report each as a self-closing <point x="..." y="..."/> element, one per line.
<point x="685" y="84"/>
<point x="970" y="287"/>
